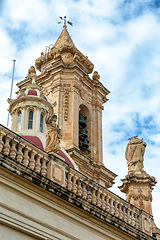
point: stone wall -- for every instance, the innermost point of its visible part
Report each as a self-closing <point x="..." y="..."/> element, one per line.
<point x="54" y="178"/>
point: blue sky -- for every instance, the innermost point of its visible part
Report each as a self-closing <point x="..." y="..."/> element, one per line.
<point x="122" y="39"/>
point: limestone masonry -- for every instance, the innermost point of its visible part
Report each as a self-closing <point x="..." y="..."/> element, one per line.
<point x="53" y="183"/>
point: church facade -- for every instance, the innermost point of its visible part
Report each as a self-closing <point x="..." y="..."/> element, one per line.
<point x="54" y="184"/>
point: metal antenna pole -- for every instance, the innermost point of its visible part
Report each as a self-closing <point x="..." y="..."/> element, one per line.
<point x="11" y="87"/>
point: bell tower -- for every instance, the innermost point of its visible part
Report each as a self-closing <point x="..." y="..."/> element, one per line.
<point x="65" y="79"/>
<point x="79" y="100"/>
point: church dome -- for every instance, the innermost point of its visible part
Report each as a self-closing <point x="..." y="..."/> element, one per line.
<point x="31" y="89"/>
<point x="35" y="140"/>
<point x="33" y="92"/>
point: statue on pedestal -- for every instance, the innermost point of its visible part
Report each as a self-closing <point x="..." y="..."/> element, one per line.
<point x="53" y="135"/>
<point x="137" y="185"/>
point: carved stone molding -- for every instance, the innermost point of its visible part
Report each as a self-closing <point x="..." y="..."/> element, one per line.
<point x="138" y="190"/>
<point x="66" y="90"/>
<point x="31" y="108"/>
<point x="67" y="58"/>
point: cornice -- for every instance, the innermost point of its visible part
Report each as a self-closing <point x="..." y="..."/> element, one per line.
<point x="46" y="185"/>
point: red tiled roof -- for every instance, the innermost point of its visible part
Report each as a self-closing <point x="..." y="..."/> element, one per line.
<point x="32" y="92"/>
<point x="67" y="160"/>
<point x="35" y="140"/>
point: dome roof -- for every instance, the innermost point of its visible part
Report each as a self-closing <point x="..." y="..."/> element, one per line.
<point x="32" y="90"/>
<point x="35" y="140"/>
<point x="67" y="158"/>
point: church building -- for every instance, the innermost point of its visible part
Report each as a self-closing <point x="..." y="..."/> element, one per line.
<point x="53" y="182"/>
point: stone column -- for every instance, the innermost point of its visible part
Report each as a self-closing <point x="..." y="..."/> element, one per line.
<point x="14" y="121"/>
<point x="36" y="121"/>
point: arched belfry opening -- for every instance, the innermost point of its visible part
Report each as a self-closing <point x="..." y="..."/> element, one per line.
<point x="65" y="79"/>
<point x="79" y="98"/>
<point x="84" y="129"/>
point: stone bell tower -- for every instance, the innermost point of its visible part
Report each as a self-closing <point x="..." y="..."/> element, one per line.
<point x="79" y="101"/>
<point x="65" y="79"/>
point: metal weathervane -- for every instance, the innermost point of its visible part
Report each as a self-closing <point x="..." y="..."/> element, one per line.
<point x="64" y="20"/>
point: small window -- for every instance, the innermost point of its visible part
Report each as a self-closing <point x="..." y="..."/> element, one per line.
<point x="30" y="120"/>
<point x="19" y="122"/>
<point x="41" y="123"/>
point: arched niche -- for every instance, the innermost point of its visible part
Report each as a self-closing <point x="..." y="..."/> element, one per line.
<point x="84" y="111"/>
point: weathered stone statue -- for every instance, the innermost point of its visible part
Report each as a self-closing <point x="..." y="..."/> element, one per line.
<point x="53" y="135"/>
<point x="134" y="154"/>
<point x="137" y="185"/>
<point x="96" y="76"/>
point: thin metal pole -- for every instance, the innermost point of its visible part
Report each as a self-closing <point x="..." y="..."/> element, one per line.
<point x="11" y="87"/>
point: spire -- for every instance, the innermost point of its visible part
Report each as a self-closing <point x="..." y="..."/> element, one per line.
<point x="64" y="41"/>
<point x="65" y="50"/>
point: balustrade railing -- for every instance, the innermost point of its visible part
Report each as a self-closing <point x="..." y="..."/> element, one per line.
<point x="102" y="197"/>
<point x="36" y="159"/>
<point x="23" y="151"/>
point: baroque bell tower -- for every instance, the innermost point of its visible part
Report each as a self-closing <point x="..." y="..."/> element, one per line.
<point x="79" y="101"/>
<point x="65" y="79"/>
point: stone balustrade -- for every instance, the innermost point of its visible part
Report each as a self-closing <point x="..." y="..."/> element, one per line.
<point x="53" y="167"/>
<point x="23" y="151"/>
<point x="102" y="197"/>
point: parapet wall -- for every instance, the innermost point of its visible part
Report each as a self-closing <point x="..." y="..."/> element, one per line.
<point x="89" y="193"/>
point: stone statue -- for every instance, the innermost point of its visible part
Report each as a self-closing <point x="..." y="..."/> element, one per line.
<point x="134" y="154"/>
<point x="53" y="135"/>
<point x="96" y="76"/>
<point x="32" y="70"/>
<point x="137" y="185"/>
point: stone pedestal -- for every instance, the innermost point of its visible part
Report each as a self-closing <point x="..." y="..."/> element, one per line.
<point x="138" y="189"/>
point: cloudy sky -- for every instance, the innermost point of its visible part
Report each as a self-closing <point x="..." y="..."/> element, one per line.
<point x="122" y="39"/>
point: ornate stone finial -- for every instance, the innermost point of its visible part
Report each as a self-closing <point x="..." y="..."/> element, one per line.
<point x="96" y="76"/>
<point x="53" y="135"/>
<point x="32" y="74"/>
<point x="134" y="154"/>
<point x="31" y="70"/>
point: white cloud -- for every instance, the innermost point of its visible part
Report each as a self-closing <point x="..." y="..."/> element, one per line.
<point x="123" y="42"/>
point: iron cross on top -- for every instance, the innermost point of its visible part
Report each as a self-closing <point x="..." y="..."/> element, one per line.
<point x="64" y="19"/>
